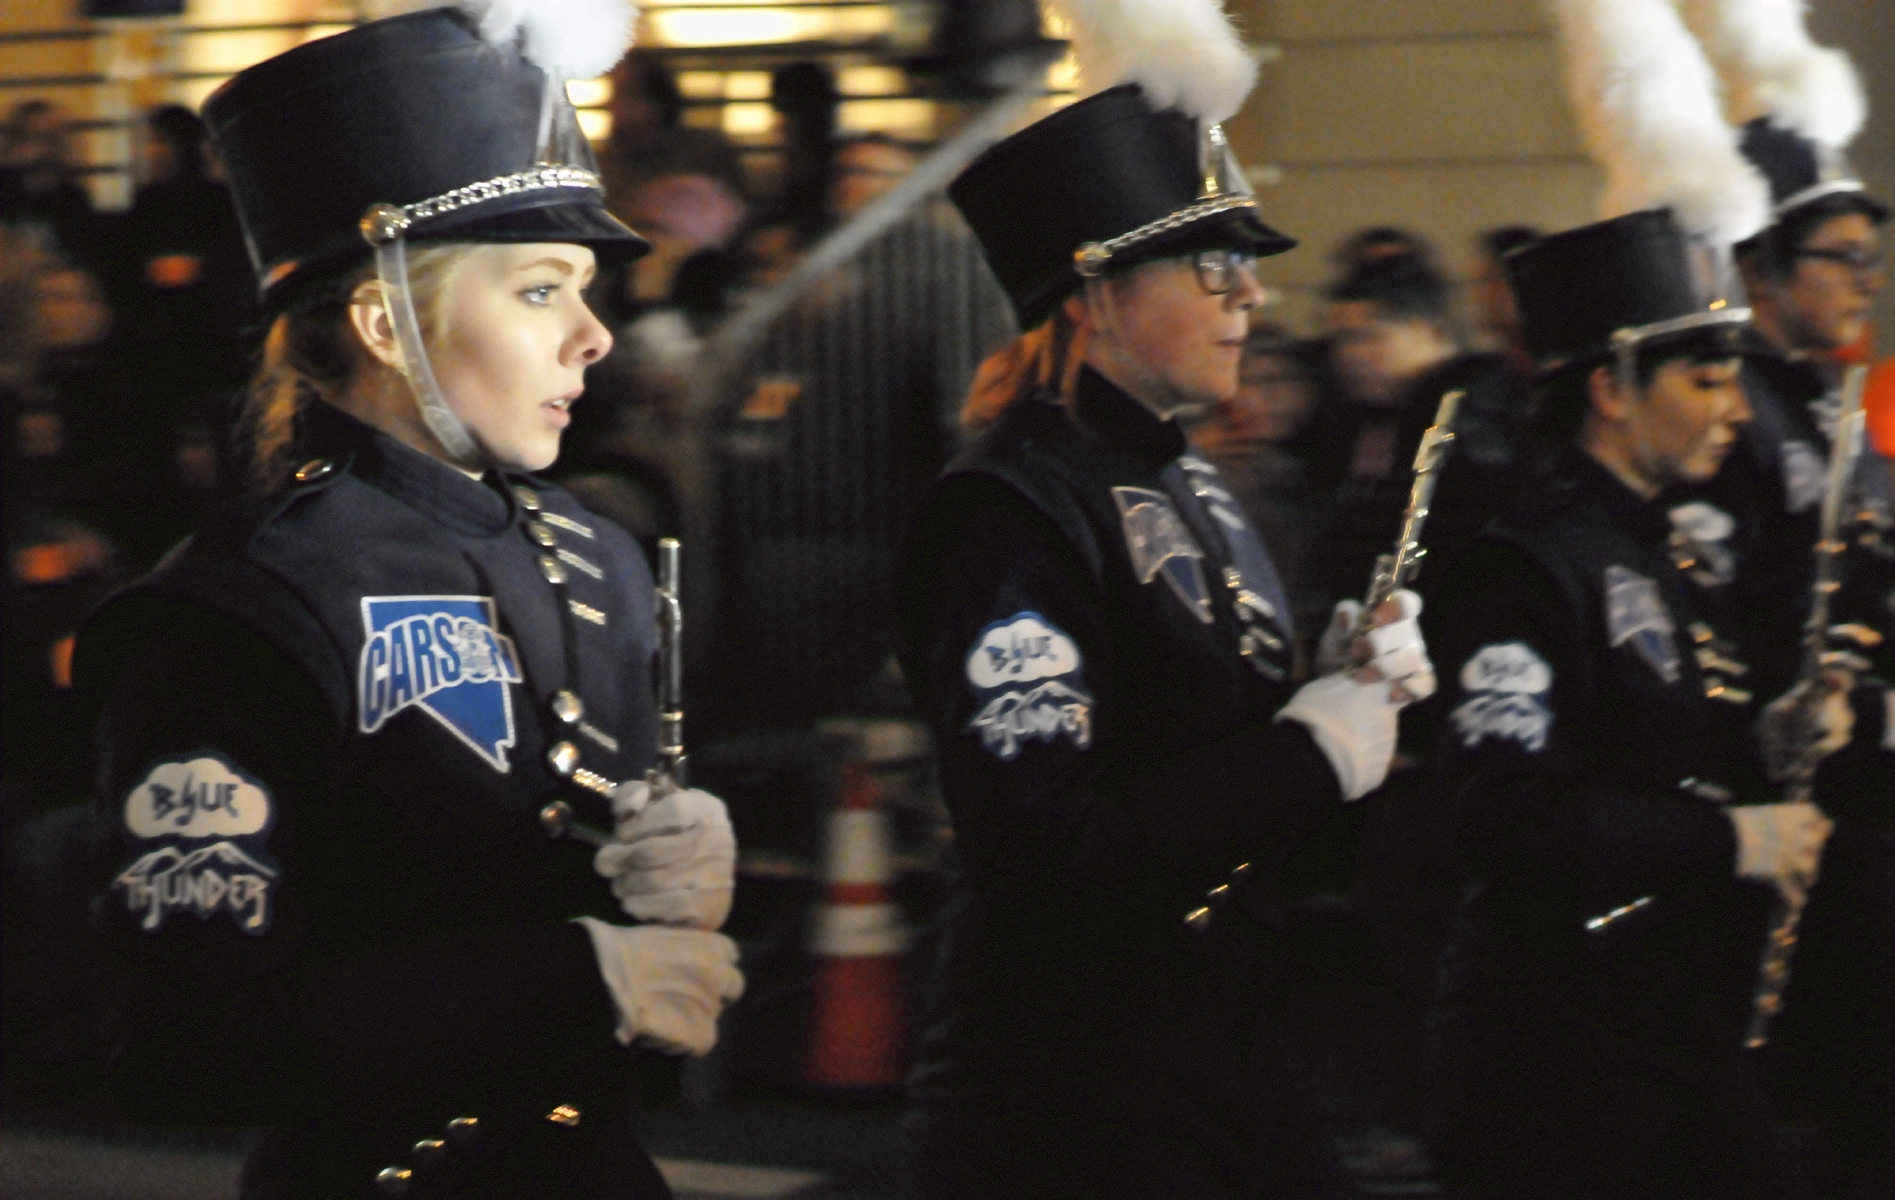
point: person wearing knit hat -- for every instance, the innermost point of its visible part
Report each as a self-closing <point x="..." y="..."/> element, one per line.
<point x="345" y="728"/>
<point x="1617" y="792"/>
<point x="1102" y="646"/>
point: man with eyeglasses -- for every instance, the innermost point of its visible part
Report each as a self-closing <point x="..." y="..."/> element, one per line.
<point x="1812" y="277"/>
<point x="1101" y="644"/>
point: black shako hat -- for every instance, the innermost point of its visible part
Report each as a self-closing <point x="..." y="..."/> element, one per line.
<point x="414" y="112"/>
<point x="1614" y="288"/>
<point x="1801" y="172"/>
<point x="1100" y="184"/>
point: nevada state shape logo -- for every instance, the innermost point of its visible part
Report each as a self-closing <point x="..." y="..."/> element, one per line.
<point x="446" y="656"/>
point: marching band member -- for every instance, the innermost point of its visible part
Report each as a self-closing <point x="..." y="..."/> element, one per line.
<point x="335" y="725"/>
<point x="1101" y="644"/>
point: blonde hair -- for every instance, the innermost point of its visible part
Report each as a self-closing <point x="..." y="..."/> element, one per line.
<point x="310" y="353"/>
<point x="1045" y="360"/>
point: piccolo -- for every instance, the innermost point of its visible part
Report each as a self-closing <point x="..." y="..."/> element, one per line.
<point x="1394" y="570"/>
<point x="1773" y="973"/>
<point x="668" y="772"/>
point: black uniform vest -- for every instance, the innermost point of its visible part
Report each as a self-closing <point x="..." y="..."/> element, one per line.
<point x="1205" y="634"/>
<point x="418" y="604"/>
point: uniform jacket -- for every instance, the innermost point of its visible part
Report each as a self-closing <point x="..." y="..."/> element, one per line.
<point x="1586" y="1039"/>
<point x="1832" y="1054"/>
<point x="1099" y="643"/>
<point x="331" y="907"/>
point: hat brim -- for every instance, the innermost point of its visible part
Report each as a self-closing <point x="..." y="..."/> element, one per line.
<point x="552" y="217"/>
<point x="586" y="223"/>
<point x="1237" y="229"/>
<point x="1725" y="339"/>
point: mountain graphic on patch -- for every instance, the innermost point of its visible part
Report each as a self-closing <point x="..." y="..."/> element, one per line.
<point x="202" y="882"/>
<point x="446" y="656"/>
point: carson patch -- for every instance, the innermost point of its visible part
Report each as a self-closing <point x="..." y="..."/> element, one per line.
<point x="1636" y="613"/>
<point x="1506" y="686"/>
<point x="176" y="810"/>
<point x="1159" y="543"/>
<point x="1030" y="678"/>
<point x="446" y="656"/>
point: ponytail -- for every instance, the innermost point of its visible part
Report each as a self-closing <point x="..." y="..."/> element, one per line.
<point x="311" y="354"/>
<point x="1043" y="361"/>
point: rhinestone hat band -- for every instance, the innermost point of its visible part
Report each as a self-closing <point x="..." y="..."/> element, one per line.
<point x="1632" y="335"/>
<point x="1832" y="187"/>
<point x="1093" y="258"/>
<point x="383" y="223"/>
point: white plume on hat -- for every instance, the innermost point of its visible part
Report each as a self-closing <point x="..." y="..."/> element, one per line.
<point x="574" y="38"/>
<point x="1184" y="53"/>
<point x="1772" y="68"/>
<point x="1647" y="103"/>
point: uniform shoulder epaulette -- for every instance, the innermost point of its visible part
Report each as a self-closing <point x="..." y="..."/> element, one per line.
<point x="230" y="526"/>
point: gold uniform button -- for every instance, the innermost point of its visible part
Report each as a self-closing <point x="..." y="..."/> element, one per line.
<point x="463" y="1132"/>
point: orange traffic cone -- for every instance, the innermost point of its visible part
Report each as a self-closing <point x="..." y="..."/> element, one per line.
<point x="859" y="1023"/>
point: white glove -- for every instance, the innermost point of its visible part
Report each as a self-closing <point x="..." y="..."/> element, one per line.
<point x="1780" y="844"/>
<point x="673" y="859"/>
<point x="1823" y="703"/>
<point x="668" y="985"/>
<point x="1332" y="649"/>
<point x="1353" y="715"/>
<point x="1392" y="647"/>
<point x="1354" y="725"/>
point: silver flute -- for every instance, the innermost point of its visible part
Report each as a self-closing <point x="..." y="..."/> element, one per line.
<point x="1393" y="571"/>
<point x="1773" y="973"/>
<point x="669" y="772"/>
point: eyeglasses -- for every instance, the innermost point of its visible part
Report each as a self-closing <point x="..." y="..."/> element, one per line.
<point x="1217" y="269"/>
<point x="1855" y="258"/>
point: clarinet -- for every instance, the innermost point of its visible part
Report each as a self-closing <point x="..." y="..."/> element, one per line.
<point x="1394" y="570"/>
<point x="1773" y="974"/>
<point x="668" y="772"/>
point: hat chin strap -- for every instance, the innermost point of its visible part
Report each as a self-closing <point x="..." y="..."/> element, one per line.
<point x="1135" y="376"/>
<point x="391" y="267"/>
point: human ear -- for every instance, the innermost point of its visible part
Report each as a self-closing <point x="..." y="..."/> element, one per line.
<point x="368" y="316"/>
<point x="1602" y="394"/>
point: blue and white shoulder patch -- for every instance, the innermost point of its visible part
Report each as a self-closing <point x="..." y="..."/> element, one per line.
<point x="446" y="656"/>
<point x="1160" y="544"/>
<point x="1636" y="613"/>
<point x="204" y="820"/>
<point x="1506" y="686"/>
<point x="1031" y="683"/>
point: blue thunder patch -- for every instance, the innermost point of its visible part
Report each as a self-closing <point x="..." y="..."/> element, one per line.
<point x="202" y="823"/>
<point x="1030" y="679"/>
<point x="444" y="655"/>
